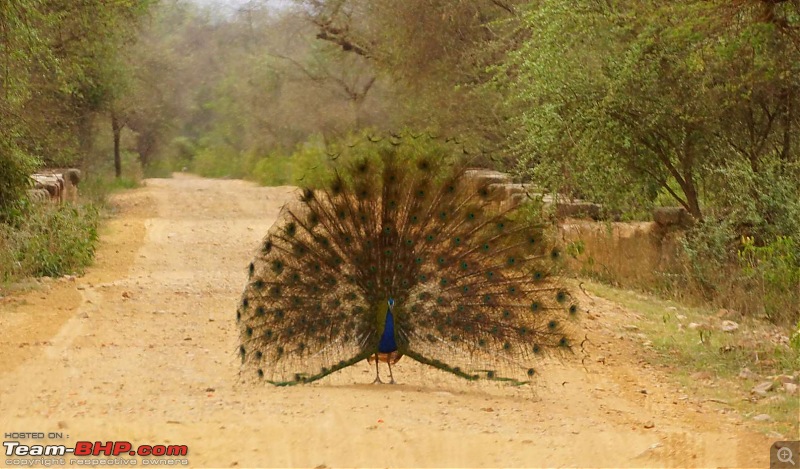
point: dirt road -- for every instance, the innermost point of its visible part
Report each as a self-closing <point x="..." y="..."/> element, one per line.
<point x="143" y="348"/>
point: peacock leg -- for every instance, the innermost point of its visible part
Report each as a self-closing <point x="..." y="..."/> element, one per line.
<point x="391" y="378"/>
<point x="377" y="373"/>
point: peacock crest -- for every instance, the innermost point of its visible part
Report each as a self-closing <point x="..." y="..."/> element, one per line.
<point x="398" y="254"/>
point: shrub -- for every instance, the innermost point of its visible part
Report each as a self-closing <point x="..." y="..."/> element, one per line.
<point x="48" y="240"/>
<point x="773" y="271"/>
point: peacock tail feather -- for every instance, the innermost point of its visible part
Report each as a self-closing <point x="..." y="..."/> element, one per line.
<point x="476" y="289"/>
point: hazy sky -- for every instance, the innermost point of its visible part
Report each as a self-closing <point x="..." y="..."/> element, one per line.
<point x="233" y="4"/>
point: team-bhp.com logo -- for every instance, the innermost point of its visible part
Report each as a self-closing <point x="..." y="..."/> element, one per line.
<point x="87" y="449"/>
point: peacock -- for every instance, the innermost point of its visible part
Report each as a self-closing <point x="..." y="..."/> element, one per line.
<point x="399" y="253"/>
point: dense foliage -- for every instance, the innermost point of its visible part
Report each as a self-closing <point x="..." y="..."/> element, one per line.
<point x="631" y="104"/>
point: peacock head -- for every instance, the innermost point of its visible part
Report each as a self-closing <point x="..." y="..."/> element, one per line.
<point x="391" y="303"/>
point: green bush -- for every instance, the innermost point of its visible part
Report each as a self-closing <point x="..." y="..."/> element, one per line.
<point x="710" y="249"/>
<point x="15" y="168"/>
<point x="273" y="170"/>
<point x="218" y="162"/>
<point x="774" y="272"/>
<point x="48" y="240"/>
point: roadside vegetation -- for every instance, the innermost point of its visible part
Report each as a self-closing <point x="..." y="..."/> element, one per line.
<point x="743" y="365"/>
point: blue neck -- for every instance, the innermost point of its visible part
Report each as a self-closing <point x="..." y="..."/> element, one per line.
<point x="387" y="343"/>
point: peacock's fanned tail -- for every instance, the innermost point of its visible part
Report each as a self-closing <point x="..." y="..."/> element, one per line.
<point x="476" y="289"/>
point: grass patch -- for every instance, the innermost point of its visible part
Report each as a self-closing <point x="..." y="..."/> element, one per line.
<point x="48" y="240"/>
<point x="51" y="240"/>
<point x="708" y="361"/>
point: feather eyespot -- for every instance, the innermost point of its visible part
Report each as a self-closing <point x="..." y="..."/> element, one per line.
<point x="307" y="196"/>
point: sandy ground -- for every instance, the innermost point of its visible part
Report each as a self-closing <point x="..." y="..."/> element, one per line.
<point x="143" y="348"/>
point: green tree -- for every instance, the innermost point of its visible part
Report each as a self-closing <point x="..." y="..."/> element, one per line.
<point x="661" y="96"/>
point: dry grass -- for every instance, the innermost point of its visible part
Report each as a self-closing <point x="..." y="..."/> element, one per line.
<point x="643" y="257"/>
<point x="710" y="362"/>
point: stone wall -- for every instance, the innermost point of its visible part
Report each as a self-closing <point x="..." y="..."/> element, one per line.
<point x="637" y="253"/>
<point x="56" y="185"/>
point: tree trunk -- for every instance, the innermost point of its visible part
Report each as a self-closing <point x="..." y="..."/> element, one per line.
<point x="117" y="129"/>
